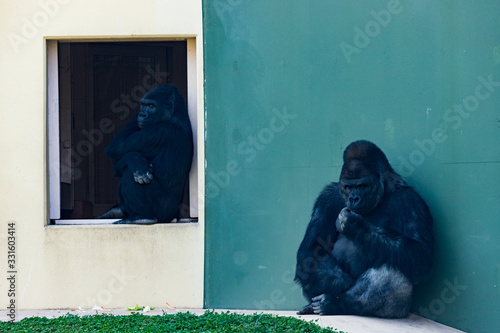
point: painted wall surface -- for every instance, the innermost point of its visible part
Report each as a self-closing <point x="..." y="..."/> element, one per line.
<point x="71" y="266"/>
<point x="290" y="83"/>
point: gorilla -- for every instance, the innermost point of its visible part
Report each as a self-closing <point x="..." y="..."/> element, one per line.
<point x="152" y="154"/>
<point x="368" y="243"/>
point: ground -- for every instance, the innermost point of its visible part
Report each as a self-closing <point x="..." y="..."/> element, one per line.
<point x="351" y="324"/>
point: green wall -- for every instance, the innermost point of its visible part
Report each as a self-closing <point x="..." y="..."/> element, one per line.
<point x="290" y="83"/>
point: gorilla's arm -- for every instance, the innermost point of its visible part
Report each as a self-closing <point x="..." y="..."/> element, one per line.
<point x="398" y="232"/>
<point x="119" y="145"/>
<point x="138" y="150"/>
<point x="133" y="139"/>
<point x="317" y="271"/>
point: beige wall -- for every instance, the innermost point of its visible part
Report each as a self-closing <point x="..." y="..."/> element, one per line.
<point x="71" y="266"/>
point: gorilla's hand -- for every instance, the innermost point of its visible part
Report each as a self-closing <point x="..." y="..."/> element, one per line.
<point x="143" y="176"/>
<point x="349" y="223"/>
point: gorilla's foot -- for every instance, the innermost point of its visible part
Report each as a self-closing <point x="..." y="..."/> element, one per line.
<point x="136" y="220"/>
<point x="114" y="213"/>
<point x="326" y="304"/>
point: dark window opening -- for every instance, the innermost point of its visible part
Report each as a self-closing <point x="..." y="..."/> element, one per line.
<point x="100" y="86"/>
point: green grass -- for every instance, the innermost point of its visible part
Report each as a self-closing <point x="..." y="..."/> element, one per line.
<point x="180" y="322"/>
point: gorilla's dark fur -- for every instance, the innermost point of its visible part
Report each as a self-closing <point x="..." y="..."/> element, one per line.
<point x="369" y="241"/>
<point x="152" y="154"/>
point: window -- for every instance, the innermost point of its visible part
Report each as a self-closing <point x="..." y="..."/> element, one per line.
<point x="94" y="89"/>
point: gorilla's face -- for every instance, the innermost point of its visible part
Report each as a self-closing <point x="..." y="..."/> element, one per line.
<point x="157" y="106"/>
<point x="361" y="187"/>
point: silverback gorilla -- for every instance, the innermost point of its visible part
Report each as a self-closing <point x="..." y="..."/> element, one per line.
<point x="152" y="154"/>
<point x="369" y="241"/>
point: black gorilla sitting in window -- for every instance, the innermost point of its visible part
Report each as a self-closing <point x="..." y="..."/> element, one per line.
<point x="152" y="154"/>
<point x="369" y="241"/>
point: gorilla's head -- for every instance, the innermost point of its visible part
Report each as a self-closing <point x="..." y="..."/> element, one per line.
<point x="161" y="104"/>
<point x="365" y="175"/>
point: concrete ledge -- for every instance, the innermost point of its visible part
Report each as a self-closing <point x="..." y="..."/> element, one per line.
<point x="350" y="324"/>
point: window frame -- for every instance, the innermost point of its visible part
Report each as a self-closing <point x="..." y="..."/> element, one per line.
<point x="53" y="129"/>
